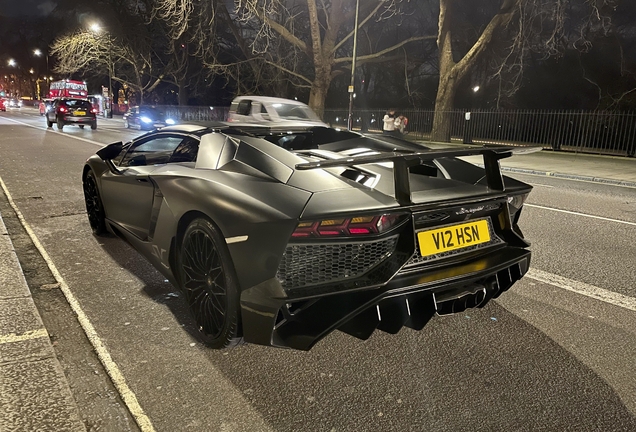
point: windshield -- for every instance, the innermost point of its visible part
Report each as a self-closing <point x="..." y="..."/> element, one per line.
<point x="295" y="112"/>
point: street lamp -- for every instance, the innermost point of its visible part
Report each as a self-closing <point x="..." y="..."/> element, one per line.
<point x="12" y="63"/>
<point x="353" y="67"/>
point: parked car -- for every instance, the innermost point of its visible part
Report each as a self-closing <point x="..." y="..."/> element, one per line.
<point x="3" y="106"/>
<point x="146" y="117"/>
<point x="71" y="111"/>
<point x="280" y="235"/>
<point x="263" y="109"/>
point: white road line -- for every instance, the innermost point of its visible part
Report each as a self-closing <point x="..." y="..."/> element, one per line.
<point x="584" y="289"/>
<point x="542" y="185"/>
<point x="111" y="367"/>
<point x="580" y="214"/>
<point x="56" y="132"/>
<point x="32" y="334"/>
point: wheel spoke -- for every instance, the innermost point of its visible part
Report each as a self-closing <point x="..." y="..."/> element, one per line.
<point x="203" y="280"/>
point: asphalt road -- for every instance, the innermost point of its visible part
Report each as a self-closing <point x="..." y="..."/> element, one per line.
<point x="541" y="357"/>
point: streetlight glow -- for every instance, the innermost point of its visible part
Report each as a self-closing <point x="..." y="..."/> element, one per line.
<point x="95" y="28"/>
<point x="37" y="52"/>
<point x="476" y="89"/>
<point x="12" y="62"/>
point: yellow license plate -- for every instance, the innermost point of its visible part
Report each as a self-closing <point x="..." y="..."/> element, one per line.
<point x="453" y="237"/>
<point x="80" y="112"/>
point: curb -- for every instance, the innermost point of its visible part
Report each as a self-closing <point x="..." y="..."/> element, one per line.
<point x="34" y="391"/>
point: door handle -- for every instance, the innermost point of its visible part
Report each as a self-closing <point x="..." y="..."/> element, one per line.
<point x="142" y="180"/>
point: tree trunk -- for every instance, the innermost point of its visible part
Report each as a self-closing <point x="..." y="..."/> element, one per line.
<point x="444" y="104"/>
<point x="183" y="93"/>
<point x="319" y="89"/>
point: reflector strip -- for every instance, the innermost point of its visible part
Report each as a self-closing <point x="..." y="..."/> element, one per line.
<point x="236" y="239"/>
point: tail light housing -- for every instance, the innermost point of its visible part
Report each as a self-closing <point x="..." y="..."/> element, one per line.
<point x="94" y="110"/>
<point x="355" y="226"/>
<point x="62" y="109"/>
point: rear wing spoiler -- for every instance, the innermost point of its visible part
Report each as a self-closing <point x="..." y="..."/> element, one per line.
<point x="403" y="161"/>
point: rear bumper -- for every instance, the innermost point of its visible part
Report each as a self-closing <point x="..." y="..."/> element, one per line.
<point x="78" y="120"/>
<point x="273" y="316"/>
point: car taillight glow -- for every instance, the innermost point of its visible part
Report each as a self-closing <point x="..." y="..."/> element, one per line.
<point x="94" y="110"/>
<point x="62" y="109"/>
<point x="344" y="227"/>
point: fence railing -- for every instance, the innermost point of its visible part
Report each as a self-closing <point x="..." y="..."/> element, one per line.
<point x="601" y="132"/>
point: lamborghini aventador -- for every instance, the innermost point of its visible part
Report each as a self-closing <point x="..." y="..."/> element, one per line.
<point x="280" y="236"/>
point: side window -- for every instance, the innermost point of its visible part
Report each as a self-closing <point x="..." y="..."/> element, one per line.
<point x="186" y="152"/>
<point x="244" y="107"/>
<point x="264" y="114"/>
<point x="152" y="151"/>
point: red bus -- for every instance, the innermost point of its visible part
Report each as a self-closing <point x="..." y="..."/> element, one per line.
<point x="68" y="88"/>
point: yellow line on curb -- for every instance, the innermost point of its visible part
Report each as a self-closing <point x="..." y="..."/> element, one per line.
<point x="32" y="334"/>
<point x="109" y="364"/>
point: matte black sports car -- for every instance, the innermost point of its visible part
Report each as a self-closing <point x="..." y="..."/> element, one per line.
<point x="279" y="237"/>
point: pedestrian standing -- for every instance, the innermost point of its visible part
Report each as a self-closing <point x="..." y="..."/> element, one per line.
<point x="388" y="128"/>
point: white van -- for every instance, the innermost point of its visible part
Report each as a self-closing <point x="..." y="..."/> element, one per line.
<point x="263" y="109"/>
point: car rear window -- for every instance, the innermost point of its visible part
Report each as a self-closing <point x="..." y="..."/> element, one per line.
<point x="78" y="104"/>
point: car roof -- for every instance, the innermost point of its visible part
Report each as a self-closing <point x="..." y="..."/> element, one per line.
<point x="269" y="99"/>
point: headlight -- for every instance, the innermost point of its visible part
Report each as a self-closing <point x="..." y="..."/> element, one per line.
<point x="145" y="119"/>
<point x="169" y="121"/>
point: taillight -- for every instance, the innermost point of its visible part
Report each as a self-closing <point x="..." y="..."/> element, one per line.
<point x="94" y="110"/>
<point x="346" y="227"/>
<point x="62" y="109"/>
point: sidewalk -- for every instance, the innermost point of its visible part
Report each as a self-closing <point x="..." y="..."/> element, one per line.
<point x="578" y="166"/>
<point x="34" y="393"/>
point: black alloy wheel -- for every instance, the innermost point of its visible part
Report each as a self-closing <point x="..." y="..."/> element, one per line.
<point x="94" y="125"/>
<point x="207" y="278"/>
<point x="60" y="124"/>
<point x="49" y="123"/>
<point x="94" y="207"/>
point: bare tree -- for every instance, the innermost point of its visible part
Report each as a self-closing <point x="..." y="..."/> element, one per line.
<point x="304" y="43"/>
<point x="524" y="26"/>
<point x="92" y="53"/>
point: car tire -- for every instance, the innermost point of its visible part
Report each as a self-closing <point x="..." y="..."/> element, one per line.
<point x="207" y="278"/>
<point x="94" y="125"/>
<point x="60" y="124"/>
<point x="126" y="124"/>
<point x="81" y="126"/>
<point x="49" y="123"/>
<point x="94" y="206"/>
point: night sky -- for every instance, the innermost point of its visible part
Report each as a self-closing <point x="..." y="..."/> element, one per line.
<point x="34" y="8"/>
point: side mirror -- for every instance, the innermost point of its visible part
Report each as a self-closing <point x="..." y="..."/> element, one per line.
<point x="111" y="151"/>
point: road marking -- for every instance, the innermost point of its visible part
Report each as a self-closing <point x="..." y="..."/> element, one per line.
<point x="581" y="214"/>
<point x="33" y="334"/>
<point x="542" y="185"/>
<point x="56" y="132"/>
<point x="584" y="289"/>
<point x="111" y="367"/>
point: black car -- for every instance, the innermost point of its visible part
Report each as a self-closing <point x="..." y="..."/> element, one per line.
<point x="280" y="236"/>
<point x="146" y="118"/>
<point x="71" y="111"/>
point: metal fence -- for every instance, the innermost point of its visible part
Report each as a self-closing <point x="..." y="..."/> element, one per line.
<point x="600" y="132"/>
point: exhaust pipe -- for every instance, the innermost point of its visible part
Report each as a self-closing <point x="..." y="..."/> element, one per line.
<point x="448" y="304"/>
